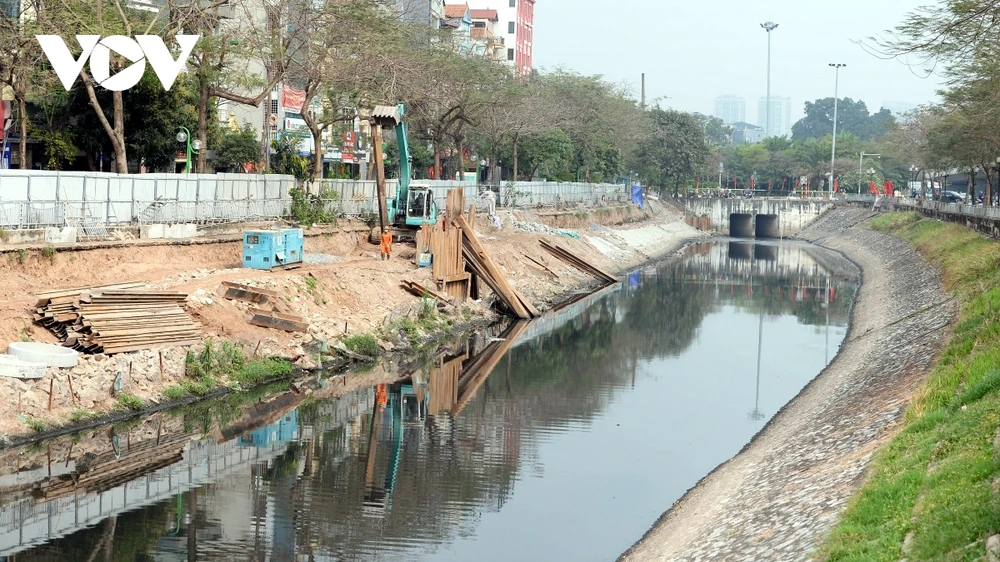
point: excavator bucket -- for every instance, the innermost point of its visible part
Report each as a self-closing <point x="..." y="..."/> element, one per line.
<point x="386" y="115"/>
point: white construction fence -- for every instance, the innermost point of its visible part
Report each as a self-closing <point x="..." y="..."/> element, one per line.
<point x="95" y="201"/>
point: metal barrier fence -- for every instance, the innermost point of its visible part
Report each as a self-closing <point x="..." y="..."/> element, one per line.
<point x="964" y="209"/>
<point x="96" y="201"/>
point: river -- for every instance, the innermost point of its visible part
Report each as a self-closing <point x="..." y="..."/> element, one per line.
<point x="562" y="439"/>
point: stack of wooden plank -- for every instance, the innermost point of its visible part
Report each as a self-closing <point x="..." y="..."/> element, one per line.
<point x="270" y="310"/>
<point x="479" y="261"/>
<point x="116" y="318"/>
<point x="578" y="262"/>
<point x="448" y="265"/>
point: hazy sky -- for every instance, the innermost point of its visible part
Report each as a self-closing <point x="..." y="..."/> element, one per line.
<point x="692" y="51"/>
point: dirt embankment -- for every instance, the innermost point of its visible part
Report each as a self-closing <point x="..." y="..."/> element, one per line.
<point x="784" y="492"/>
<point x="352" y="293"/>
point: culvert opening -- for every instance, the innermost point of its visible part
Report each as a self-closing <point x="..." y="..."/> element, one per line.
<point x="741" y="225"/>
<point x="767" y="227"/>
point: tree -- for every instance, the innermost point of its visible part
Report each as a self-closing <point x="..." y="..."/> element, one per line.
<point x="19" y="60"/>
<point x="237" y="147"/>
<point x="852" y="117"/>
<point x="674" y="151"/>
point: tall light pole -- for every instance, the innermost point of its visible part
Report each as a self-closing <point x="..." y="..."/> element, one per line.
<point x="768" y="27"/>
<point x="836" y="88"/>
<point x="861" y="166"/>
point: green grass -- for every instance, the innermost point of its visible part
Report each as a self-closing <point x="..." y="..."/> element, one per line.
<point x="129" y="402"/>
<point x="35" y="424"/>
<point x="174" y="393"/>
<point x="49" y="252"/>
<point x="80" y="415"/>
<point x="363" y="344"/>
<point x="934" y="479"/>
<point x="208" y="369"/>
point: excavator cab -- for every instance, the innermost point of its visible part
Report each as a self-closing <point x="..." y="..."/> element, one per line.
<point x="420" y="206"/>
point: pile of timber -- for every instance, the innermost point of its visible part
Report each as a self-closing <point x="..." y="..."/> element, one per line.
<point x="269" y="310"/>
<point x="577" y="262"/>
<point x="116" y="318"/>
<point x="480" y="263"/>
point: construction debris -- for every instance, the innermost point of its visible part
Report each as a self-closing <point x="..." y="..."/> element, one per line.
<point x="575" y="261"/>
<point x="421" y="291"/>
<point x="479" y="261"/>
<point x="448" y="265"/>
<point x="272" y="311"/>
<point x="116" y="318"/>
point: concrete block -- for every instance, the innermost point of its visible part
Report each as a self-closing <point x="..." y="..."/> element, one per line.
<point x="151" y="231"/>
<point x="65" y="235"/>
<point x="178" y="231"/>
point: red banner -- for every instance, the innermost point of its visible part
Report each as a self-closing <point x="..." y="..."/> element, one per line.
<point x="888" y="188"/>
<point x="872" y="188"/>
<point x="292" y="99"/>
<point x="836" y="186"/>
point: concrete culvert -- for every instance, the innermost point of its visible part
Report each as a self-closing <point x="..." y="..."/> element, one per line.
<point x="741" y="225"/>
<point x="767" y="226"/>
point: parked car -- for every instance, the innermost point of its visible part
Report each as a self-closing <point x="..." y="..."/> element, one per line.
<point x="952" y="197"/>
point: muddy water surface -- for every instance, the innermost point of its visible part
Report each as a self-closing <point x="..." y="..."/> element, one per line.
<point x="563" y="439"/>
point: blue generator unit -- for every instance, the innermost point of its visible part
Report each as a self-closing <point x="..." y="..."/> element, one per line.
<point x="269" y="249"/>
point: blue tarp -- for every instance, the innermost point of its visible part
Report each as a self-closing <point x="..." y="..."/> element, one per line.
<point x="635" y="279"/>
<point x="637" y="196"/>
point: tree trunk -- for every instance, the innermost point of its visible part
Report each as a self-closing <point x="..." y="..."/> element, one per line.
<point x="115" y="134"/>
<point x="202" y="123"/>
<point x="988" y="196"/>
<point x="437" y="161"/>
<point x="970" y="187"/>
<point x="317" y="135"/>
<point x="22" y="143"/>
<point x="461" y="158"/>
<point x="923" y="184"/>
<point x="119" y="116"/>
<point x="515" y="156"/>
<point x="265" y="145"/>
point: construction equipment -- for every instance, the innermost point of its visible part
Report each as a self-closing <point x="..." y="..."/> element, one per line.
<point x="270" y="249"/>
<point x="413" y="203"/>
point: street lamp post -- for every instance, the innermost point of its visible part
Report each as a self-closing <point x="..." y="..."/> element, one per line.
<point x="768" y="27"/>
<point x="861" y="166"/>
<point x="836" y="88"/>
<point x="184" y="136"/>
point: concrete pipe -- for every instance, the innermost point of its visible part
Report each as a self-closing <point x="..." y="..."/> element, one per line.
<point x="767" y="226"/>
<point x="11" y="366"/>
<point x="46" y="353"/>
<point x="741" y="225"/>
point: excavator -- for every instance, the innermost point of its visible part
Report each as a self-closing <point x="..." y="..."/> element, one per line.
<point x="413" y="204"/>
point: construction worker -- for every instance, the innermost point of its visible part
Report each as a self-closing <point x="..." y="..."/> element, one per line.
<point x="386" y="246"/>
<point x="381" y="396"/>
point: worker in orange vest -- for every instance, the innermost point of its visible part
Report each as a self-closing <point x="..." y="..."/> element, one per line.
<point x="386" y="246"/>
<point x="381" y="396"/>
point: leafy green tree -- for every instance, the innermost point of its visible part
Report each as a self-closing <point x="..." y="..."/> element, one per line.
<point x="852" y="117"/>
<point x="674" y="151"/>
<point x="286" y="158"/>
<point x="237" y="148"/>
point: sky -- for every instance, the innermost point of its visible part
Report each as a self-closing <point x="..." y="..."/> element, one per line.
<point x="693" y="51"/>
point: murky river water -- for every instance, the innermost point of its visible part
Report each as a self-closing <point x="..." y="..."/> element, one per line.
<point x="563" y="439"/>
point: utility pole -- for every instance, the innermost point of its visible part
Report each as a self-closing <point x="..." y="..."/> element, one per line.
<point x="642" y="104"/>
<point x="836" y="88"/>
<point x="768" y="27"/>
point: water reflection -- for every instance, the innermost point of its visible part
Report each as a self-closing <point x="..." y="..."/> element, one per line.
<point x="562" y="438"/>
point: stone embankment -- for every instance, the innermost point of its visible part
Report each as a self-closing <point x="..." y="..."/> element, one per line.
<point x="345" y="291"/>
<point x="780" y="497"/>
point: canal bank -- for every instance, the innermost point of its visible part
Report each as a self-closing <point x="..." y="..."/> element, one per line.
<point x="780" y="497"/>
<point x="353" y="295"/>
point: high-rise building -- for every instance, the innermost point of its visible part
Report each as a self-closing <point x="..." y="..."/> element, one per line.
<point x="516" y="27"/>
<point x="731" y="109"/>
<point x="781" y="116"/>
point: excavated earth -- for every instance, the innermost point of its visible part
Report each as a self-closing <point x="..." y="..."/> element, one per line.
<point x="779" y="498"/>
<point x="342" y="290"/>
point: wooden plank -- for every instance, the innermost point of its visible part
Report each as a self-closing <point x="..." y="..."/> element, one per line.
<point x="418" y="290"/>
<point x="493" y="275"/>
<point x="268" y="320"/>
<point x="577" y="262"/>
